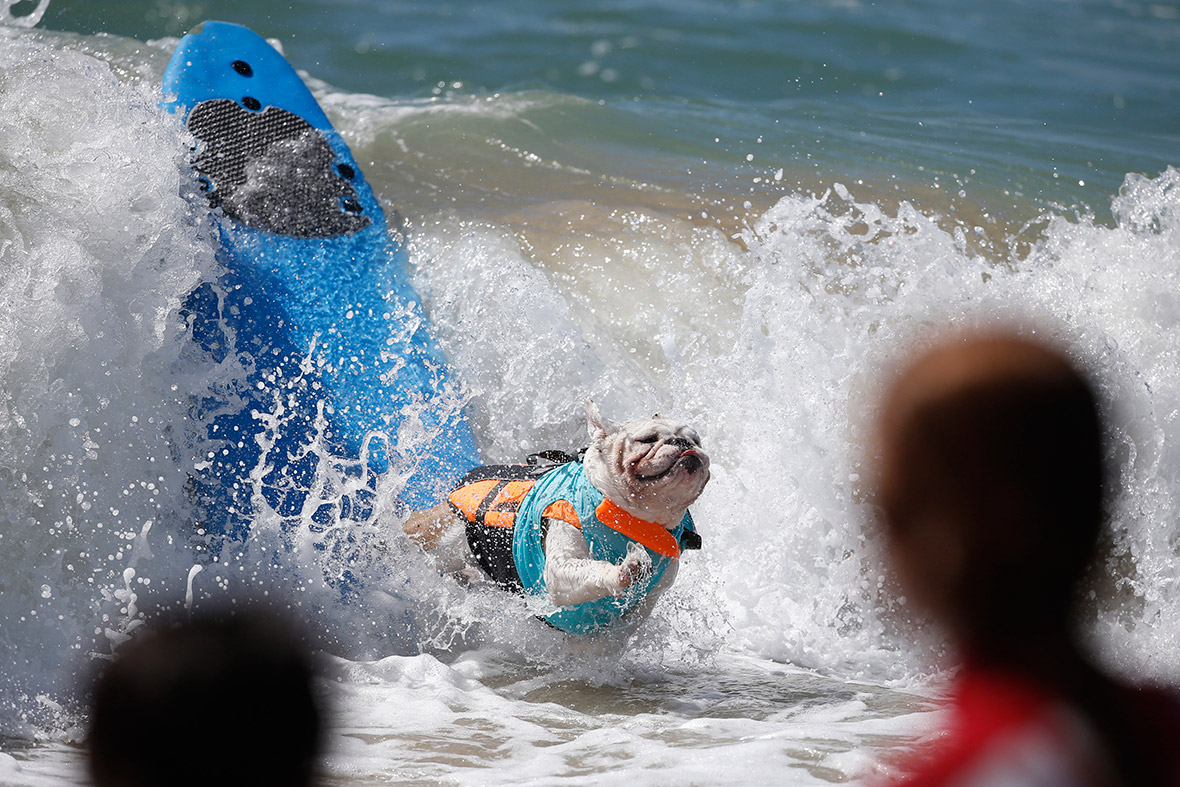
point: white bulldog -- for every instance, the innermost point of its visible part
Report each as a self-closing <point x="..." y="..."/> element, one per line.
<point x="610" y="527"/>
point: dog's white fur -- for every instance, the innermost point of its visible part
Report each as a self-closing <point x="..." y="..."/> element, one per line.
<point x="652" y="468"/>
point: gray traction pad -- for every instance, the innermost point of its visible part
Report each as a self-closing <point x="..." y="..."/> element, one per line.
<point x="273" y="171"/>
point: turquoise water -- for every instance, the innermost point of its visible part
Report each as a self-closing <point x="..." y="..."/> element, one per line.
<point x="734" y="213"/>
<point x="1025" y="96"/>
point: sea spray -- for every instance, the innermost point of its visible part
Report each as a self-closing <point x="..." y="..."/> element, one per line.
<point x="842" y="290"/>
<point x="97" y="248"/>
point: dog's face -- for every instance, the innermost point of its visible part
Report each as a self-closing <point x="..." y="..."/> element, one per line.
<point x="653" y="468"/>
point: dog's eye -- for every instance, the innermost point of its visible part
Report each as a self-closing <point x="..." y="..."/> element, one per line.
<point x="647" y="438"/>
<point x="693" y="436"/>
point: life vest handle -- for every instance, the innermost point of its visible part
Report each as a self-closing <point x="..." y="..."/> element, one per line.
<point x="553" y="456"/>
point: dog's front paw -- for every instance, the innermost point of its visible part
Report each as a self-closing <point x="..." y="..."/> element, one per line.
<point x="636" y="567"/>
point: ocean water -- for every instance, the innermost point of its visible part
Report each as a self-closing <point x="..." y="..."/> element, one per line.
<point x="738" y="213"/>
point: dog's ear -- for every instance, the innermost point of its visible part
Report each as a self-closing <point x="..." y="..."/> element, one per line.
<point x="596" y="426"/>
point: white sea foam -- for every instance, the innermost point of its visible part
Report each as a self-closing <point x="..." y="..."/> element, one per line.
<point x="97" y="248"/>
<point x="412" y="719"/>
<point x="842" y="288"/>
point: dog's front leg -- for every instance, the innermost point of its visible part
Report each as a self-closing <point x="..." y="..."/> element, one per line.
<point x="573" y="577"/>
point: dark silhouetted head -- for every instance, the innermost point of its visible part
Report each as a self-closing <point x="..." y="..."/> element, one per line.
<point x="991" y="486"/>
<point x="211" y="701"/>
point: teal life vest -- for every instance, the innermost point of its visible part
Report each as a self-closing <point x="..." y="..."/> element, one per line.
<point x="608" y="540"/>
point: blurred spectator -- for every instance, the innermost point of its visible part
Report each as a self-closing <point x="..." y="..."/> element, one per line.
<point x="213" y="701"/>
<point x="991" y="489"/>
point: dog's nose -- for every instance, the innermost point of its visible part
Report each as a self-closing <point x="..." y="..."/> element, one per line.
<point x="681" y="442"/>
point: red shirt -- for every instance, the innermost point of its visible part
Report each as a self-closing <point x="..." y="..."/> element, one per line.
<point x="1008" y="731"/>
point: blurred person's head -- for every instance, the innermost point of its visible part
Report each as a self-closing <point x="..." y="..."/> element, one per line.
<point x="212" y="701"/>
<point x="991" y="487"/>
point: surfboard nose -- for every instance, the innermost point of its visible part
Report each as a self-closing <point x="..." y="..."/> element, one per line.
<point x="223" y="60"/>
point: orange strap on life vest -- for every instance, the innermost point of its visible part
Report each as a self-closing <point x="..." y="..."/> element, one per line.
<point x="652" y="535"/>
<point x="563" y="510"/>
<point x="491" y="502"/>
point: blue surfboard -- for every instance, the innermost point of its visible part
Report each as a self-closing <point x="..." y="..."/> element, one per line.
<point x="313" y="302"/>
